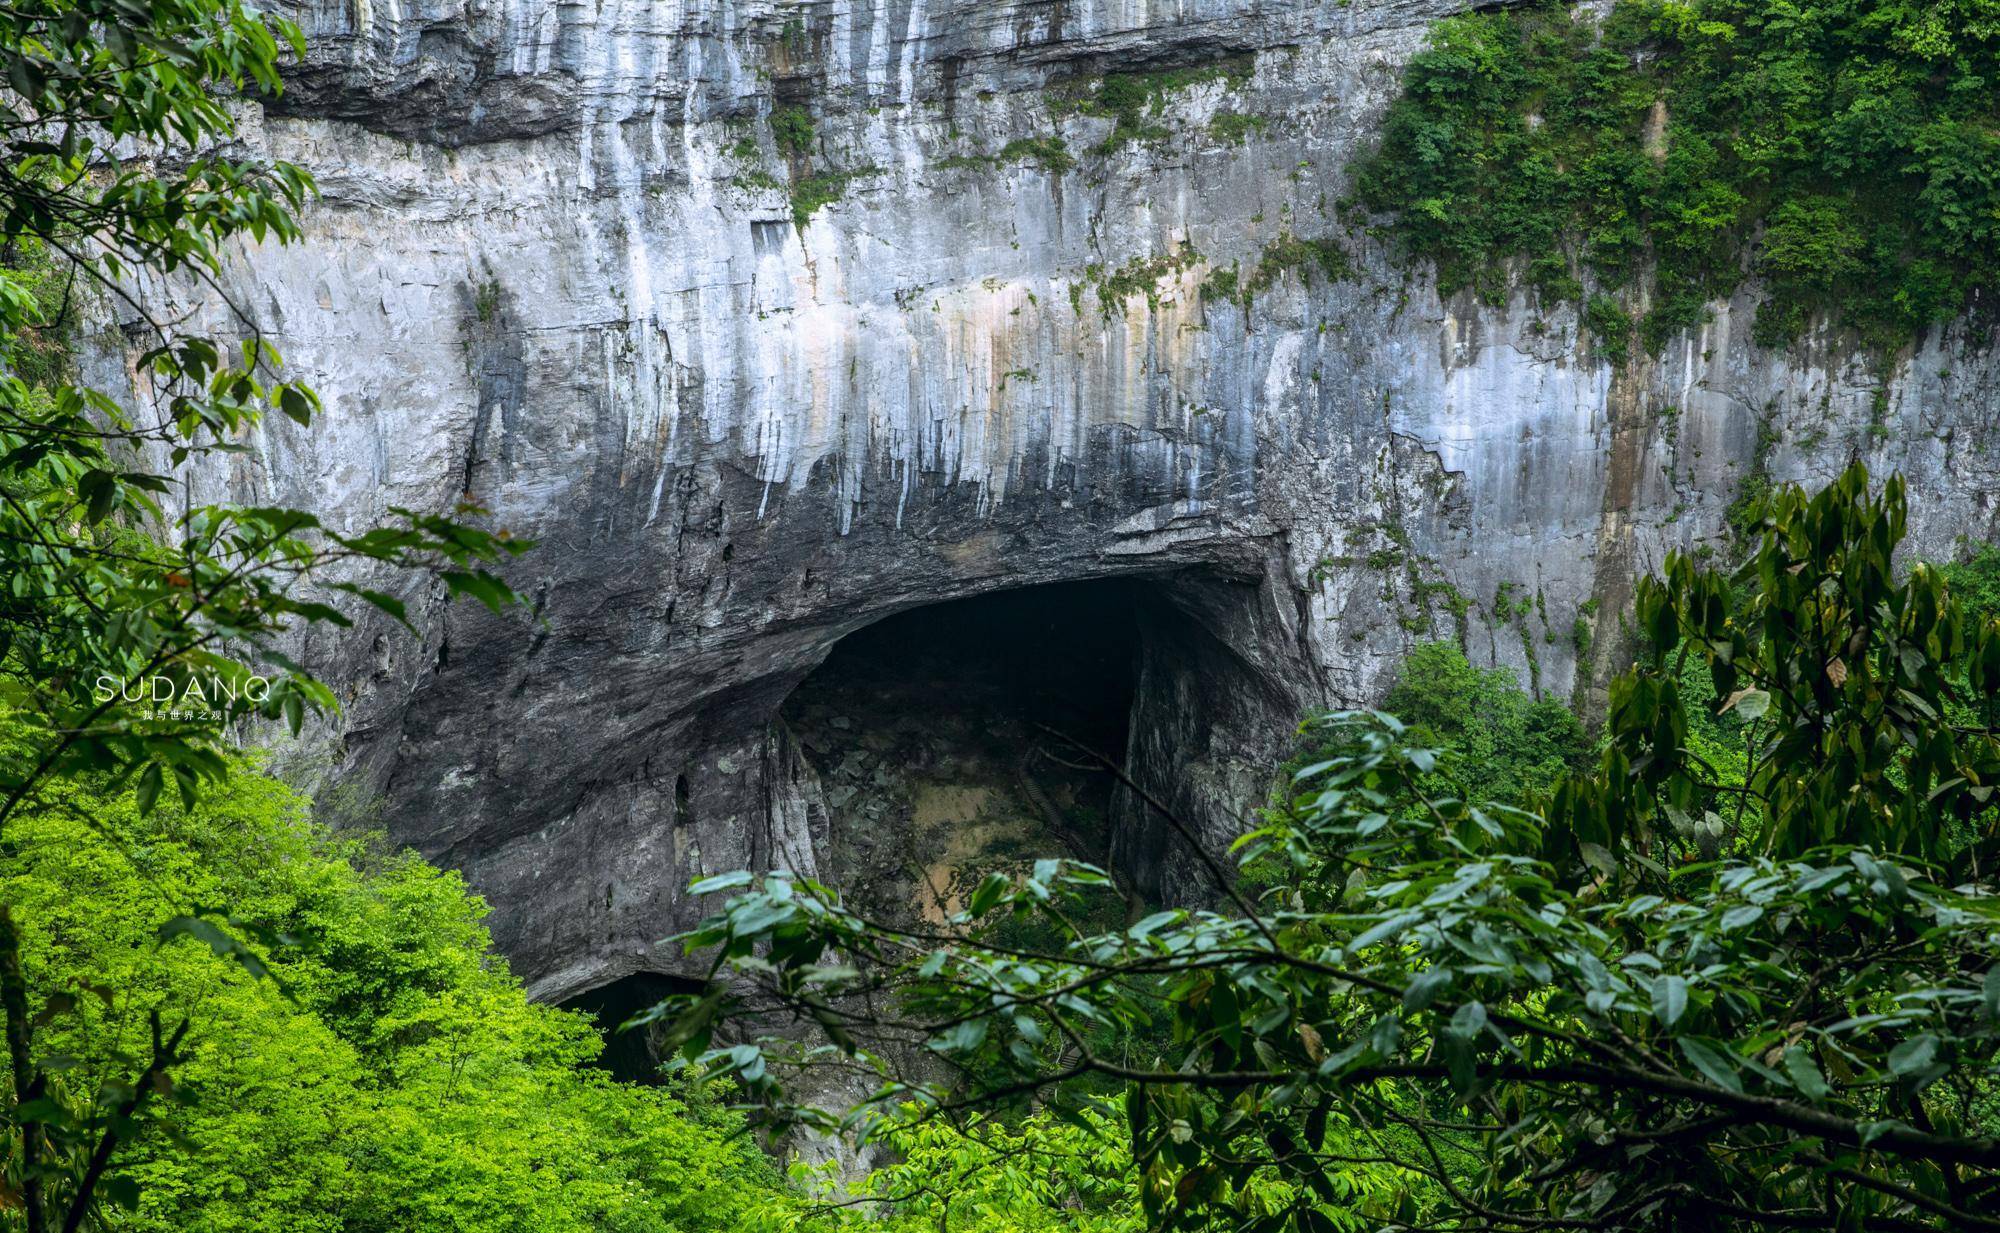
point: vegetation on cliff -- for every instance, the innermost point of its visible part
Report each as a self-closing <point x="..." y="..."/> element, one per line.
<point x="1656" y="993"/>
<point x="1732" y="968"/>
<point x="1845" y="152"/>
<point x="138" y="626"/>
<point x="388" y="1073"/>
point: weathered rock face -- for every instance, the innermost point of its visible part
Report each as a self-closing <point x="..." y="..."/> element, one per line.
<point x="556" y="267"/>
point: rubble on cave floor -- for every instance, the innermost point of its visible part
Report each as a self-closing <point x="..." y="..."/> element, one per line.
<point x="946" y="740"/>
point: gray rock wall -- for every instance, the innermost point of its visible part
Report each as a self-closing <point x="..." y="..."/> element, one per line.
<point x="555" y="267"/>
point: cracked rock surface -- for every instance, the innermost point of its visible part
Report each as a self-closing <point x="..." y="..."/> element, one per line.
<point x="562" y="264"/>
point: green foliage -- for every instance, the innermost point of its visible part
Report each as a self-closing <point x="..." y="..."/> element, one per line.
<point x="1455" y="1015"/>
<point x="1131" y="100"/>
<point x="1812" y="242"/>
<point x="1610" y="325"/>
<point x="1139" y="276"/>
<point x="1860" y="139"/>
<point x="1235" y="128"/>
<point x="1323" y="256"/>
<point x="757" y="181"/>
<point x="792" y="129"/>
<point x="1288" y="252"/>
<point x="1493" y="740"/>
<point x="1975" y="583"/>
<point x="1583" y="629"/>
<point x="41" y="356"/>
<point x="813" y="192"/>
<point x="1221" y="285"/>
<point x="105" y="586"/>
<point x="1847" y="670"/>
<point x="391" y="1075"/>
<point x="1746" y="508"/>
<point x="1040" y="1174"/>
<point x="1051" y="154"/>
<point x="137" y="626"/>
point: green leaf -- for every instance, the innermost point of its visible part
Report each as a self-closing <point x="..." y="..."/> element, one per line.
<point x="1741" y="917"/>
<point x="1871" y="1131"/>
<point x="122" y="1190"/>
<point x="1749" y="704"/>
<point x="479" y="585"/>
<point x="43" y="1110"/>
<point x="1425" y="987"/>
<point x="1382" y="931"/>
<point x="1719" y="1067"/>
<point x="147" y="793"/>
<point x="720" y="882"/>
<point x="1670" y="999"/>
<point x="1913" y="1055"/>
<point x="99" y="489"/>
<point x="1459" y="1062"/>
<point x="1805" y="1073"/>
<point x="1154" y="923"/>
<point x="295" y="404"/>
<point x="988" y="894"/>
<point x="961" y="1037"/>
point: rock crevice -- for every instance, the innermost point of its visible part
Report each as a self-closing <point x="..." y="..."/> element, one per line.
<point x="970" y="322"/>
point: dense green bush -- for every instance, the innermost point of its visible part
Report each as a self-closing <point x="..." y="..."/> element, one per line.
<point x="121" y="165"/>
<point x="406" y="1082"/>
<point x="1467" y="1015"/>
<point x="1495" y="740"/>
<point x="1032" y="1174"/>
<point x="1847" y="151"/>
<point x="1976" y="581"/>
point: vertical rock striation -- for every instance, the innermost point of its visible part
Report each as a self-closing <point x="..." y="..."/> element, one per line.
<point x="769" y="319"/>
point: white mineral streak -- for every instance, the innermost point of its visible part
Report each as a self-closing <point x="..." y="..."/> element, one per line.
<point x="542" y="268"/>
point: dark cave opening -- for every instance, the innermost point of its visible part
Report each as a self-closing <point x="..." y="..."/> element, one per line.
<point x="949" y="741"/>
<point x="1062" y="656"/>
<point x="959" y="737"/>
<point x="630" y="1056"/>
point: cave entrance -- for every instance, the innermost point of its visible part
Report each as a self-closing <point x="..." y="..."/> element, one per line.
<point x="950" y="740"/>
<point x="634" y="1056"/>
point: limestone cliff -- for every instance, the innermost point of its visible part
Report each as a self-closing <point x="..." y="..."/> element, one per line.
<point x="769" y="319"/>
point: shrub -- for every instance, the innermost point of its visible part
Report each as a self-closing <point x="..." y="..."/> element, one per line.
<point x="792" y="129"/>
<point x="406" y="1082"/>
<point x="1655" y="145"/>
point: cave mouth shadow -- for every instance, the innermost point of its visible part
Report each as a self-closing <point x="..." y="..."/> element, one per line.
<point x="948" y="741"/>
<point x="1061" y="657"/>
<point x="630" y="1056"/>
<point x="979" y="729"/>
<point x="956" y="738"/>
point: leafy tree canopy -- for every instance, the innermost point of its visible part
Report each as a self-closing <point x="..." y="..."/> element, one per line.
<point x="1846" y="151"/>
<point x="136" y="625"/>
<point x="1493" y="740"/>
<point x="1564" y="1016"/>
<point x="113" y="125"/>
<point x="390" y="1075"/>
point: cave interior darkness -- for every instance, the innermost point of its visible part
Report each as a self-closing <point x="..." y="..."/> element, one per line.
<point x="958" y="738"/>
<point x="948" y="740"/>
